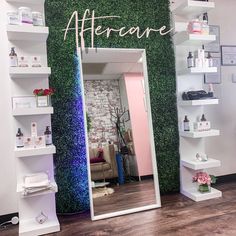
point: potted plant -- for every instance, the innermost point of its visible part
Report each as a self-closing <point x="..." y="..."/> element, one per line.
<point x="43" y="97"/>
<point x="204" y="181"/>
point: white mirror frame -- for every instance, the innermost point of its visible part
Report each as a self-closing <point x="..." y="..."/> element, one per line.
<point x="154" y="163"/>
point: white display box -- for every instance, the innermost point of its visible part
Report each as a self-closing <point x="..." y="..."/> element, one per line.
<point x="23" y="102"/>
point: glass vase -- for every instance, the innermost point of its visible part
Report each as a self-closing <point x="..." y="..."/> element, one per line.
<point x="204" y="188"/>
<point x="43" y="101"/>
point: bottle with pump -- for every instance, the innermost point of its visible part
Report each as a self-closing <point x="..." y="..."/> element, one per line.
<point x="203" y="118"/>
<point x="210" y="60"/>
<point x="186" y="124"/>
<point x="211" y="91"/>
<point x="13" y="58"/>
<point x="19" y="139"/>
<point x="190" y="60"/>
<point x="48" y="136"/>
<point x="205" y="26"/>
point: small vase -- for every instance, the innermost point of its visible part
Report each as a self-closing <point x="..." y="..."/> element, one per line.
<point x="204" y="188"/>
<point x="43" y="101"/>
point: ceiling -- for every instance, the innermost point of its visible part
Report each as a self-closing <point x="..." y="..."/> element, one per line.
<point x="111" y="63"/>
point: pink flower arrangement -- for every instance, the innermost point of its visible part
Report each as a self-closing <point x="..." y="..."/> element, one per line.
<point x="44" y="92"/>
<point x="203" y="178"/>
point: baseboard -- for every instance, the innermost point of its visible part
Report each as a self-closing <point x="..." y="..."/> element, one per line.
<point x="4" y="218"/>
<point x="226" y="179"/>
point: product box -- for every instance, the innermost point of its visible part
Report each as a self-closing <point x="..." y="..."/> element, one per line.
<point x="36" y="61"/>
<point x="39" y="141"/>
<point x="23" y="61"/>
<point x="202" y="126"/>
<point x="28" y="142"/>
<point x="200" y="54"/>
<point x="34" y="129"/>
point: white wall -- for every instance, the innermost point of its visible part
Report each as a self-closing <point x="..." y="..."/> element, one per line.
<point x="223" y="116"/>
<point x="8" y="199"/>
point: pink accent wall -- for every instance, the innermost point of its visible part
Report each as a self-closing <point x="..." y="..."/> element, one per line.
<point x="139" y="122"/>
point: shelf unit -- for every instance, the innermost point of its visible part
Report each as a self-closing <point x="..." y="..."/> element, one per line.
<point x="32" y="111"/>
<point x="202" y="102"/>
<point x="27" y="33"/>
<point x="30" y="152"/>
<point x="192" y="142"/>
<point x="29" y="72"/>
<point x="32" y="160"/>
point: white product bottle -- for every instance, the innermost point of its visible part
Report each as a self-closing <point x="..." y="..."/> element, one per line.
<point x="13" y="61"/>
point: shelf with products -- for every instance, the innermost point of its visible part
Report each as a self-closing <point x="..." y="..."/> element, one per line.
<point x="29" y="72"/>
<point x="53" y="189"/>
<point x="194" y="164"/>
<point x="199" y="134"/>
<point x="185" y="39"/>
<point x="190" y="9"/>
<point x="201" y="102"/>
<point x="197" y="70"/>
<point x="27" y="1"/>
<point x="29" y="152"/>
<point x="31" y="227"/>
<point x="195" y="195"/>
<point x="27" y="33"/>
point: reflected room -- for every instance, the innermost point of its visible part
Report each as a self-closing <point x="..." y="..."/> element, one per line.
<point x="118" y="130"/>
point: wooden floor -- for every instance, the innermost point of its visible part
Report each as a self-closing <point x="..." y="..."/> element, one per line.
<point x="127" y="196"/>
<point x="179" y="216"/>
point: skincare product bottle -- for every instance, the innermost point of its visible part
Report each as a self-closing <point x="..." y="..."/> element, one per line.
<point x="211" y="91"/>
<point x="210" y="60"/>
<point x="13" y="58"/>
<point x="203" y="118"/>
<point x="48" y="136"/>
<point x="186" y="124"/>
<point x="19" y="139"/>
<point x="205" y="26"/>
<point x="190" y="60"/>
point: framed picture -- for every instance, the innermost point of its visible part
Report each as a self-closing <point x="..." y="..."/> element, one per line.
<point x="214" y="78"/>
<point x="23" y="102"/>
<point x="213" y="46"/>
<point x="228" y="55"/>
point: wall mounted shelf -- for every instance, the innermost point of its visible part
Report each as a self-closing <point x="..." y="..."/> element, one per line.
<point x="29" y="152"/>
<point x="29" y="72"/>
<point x="31" y="227"/>
<point x="195" y="70"/>
<point x="195" y="195"/>
<point x="27" y="1"/>
<point x="202" y="134"/>
<point x="185" y="39"/>
<point x="32" y="111"/>
<point x="27" y="33"/>
<point x="198" y="165"/>
<point x="202" y="102"/>
<point x="191" y="9"/>
<point x="20" y="190"/>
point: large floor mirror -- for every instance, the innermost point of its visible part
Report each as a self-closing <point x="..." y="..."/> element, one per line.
<point x="121" y="156"/>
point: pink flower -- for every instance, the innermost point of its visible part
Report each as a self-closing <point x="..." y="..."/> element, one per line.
<point x="202" y="178"/>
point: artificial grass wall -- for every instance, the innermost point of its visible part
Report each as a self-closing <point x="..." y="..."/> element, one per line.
<point x="161" y="71"/>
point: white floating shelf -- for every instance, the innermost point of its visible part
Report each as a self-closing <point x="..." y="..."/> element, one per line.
<point x="28" y="152"/>
<point x="29" y="72"/>
<point x="27" y="33"/>
<point x="196" y="70"/>
<point x="186" y="39"/>
<point x="27" y="1"/>
<point x="195" y="195"/>
<point x="32" y="227"/>
<point x="191" y="9"/>
<point x="202" y="134"/>
<point x="32" y="111"/>
<point x="202" y="102"/>
<point x="20" y="190"/>
<point x="194" y="164"/>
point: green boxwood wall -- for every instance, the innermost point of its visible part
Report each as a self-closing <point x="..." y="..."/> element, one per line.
<point x="161" y="70"/>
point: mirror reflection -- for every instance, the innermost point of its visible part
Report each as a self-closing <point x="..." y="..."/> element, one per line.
<point x="121" y="156"/>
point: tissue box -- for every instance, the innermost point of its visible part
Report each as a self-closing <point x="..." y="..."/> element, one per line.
<point x="202" y="126"/>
